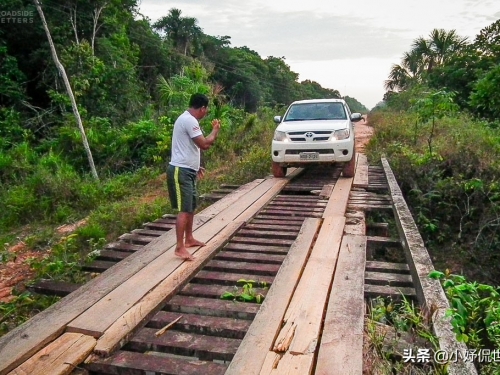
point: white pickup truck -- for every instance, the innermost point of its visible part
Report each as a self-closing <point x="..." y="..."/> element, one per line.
<point x="315" y="131"/>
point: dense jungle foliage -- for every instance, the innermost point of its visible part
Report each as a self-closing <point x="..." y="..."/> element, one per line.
<point x="439" y="128"/>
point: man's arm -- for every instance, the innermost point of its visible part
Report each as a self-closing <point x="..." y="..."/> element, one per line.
<point x="203" y="142"/>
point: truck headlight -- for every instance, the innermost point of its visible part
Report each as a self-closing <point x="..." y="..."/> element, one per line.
<point x="279" y="136"/>
<point x="341" y="134"/>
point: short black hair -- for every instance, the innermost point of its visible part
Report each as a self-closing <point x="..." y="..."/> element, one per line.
<point x="198" y="100"/>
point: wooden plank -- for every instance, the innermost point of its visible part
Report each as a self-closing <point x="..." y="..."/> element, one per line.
<point x="430" y="294"/>
<point x="292" y="214"/>
<point x="300" y="331"/>
<point x="292" y="209"/>
<point x="259" y="233"/>
<point x="229" y="278"/>
<point x="288" y="228"/>
<point x="202" y="324"/>
<point x="361" y="175"/>
<point x="256" y="269"/>
<point x="258" y="241"/>
<point x="212" y="291"/>
<point x="294" y="198"/>
<point x="123" y="297"/>
<point x="188" y="344"/>
<point x="387" y="267"/>
<point x="384" y="241"/>
<point x="385" y="278"/>
<point x="138" y="363"/>
<point x="369" y="207"/>
<point x="159" y="226"/>
<point x="55" y="288"/>
<point x="112" y="255"/>
<point x="59" y="357"/>
<point x="338" y="200"/>
<point x="251" y="354"/>
<point x="381" y="229"/>
<point x="123" y="246"/>
<point x="135" y="317"/>
<point x="326" y="192"/>
<point x="213" y="307"/>
<point x="98" y="265"/>
<point x="136" y="238"/>
<point x="355" y="223"/>
<point x="250" y="257"/>
<point x="298" y="205"/>
<point x="258" y="249"/>
<point x="341" y="346"/>
<point x="277" y="222"/>
<point x="148" y="232"/>
<point x="373" y="291"/>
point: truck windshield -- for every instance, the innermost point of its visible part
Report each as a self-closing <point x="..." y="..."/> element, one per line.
<point x="315" y="111"/>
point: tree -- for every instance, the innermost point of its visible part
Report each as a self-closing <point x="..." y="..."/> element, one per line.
<point x="485" y="97"/>
<point x="425" y="56"/>
<point x="61" y="70"/>
<point x="183" y="32"/>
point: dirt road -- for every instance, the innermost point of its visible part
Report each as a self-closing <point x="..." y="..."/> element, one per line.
<point x="363" y="133"/>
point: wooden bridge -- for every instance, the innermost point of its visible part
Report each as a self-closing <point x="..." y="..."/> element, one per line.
<point x="304" y="235"/>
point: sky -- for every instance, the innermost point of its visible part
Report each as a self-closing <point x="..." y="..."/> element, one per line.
<point x="349" y="45"/>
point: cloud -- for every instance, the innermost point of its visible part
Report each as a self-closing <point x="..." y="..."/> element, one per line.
<point x="297" y="35"/>
<point x="348" y="46"/>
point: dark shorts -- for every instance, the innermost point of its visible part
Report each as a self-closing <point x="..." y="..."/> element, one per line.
<point x="181" y="184"/>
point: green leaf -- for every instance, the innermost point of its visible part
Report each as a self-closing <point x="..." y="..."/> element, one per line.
<point x="227" y="295"/>
<point x="437" y="275"/>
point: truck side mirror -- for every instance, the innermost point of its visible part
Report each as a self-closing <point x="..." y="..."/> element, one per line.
<point x="355" y="117"/>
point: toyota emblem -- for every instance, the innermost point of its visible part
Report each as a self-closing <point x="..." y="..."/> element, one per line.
<point x="309" y="134"/>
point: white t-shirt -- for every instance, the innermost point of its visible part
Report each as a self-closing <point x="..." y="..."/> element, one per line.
<point x="185" y="153"/>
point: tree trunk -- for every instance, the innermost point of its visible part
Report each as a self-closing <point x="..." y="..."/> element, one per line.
<point x="95" y="26"/>
<point x="60" y="67"/>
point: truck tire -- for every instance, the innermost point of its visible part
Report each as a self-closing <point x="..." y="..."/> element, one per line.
<point x="350" y="167"/>
<point x="278" y="171"/>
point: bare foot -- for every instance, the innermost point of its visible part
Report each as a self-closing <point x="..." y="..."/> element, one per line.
<point x="183" y="253"/>
<point x="193" y="242"/>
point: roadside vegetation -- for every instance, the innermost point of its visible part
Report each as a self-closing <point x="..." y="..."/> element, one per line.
<point x="439" y="128"/>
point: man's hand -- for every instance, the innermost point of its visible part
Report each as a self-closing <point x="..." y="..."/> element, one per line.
<point x="201" y="173"/>
<point x="216" y="124"/>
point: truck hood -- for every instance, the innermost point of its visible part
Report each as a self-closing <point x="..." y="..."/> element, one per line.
<point x="312" y="125"/>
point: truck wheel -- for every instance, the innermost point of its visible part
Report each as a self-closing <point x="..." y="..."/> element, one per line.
<point x="350" y="167"/>
<point x="278" y="171"/>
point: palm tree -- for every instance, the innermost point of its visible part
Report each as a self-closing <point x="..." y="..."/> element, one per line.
<point x="403" y="76"/>
<point x="445" y="44"/>
<point x="183" y="32"/>
<point x="425" y="55"/>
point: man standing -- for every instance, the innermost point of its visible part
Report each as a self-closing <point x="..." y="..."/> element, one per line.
<point x="184" y="169"/>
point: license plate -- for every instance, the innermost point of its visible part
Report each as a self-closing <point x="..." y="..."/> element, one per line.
<point x="309" y="156"/>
